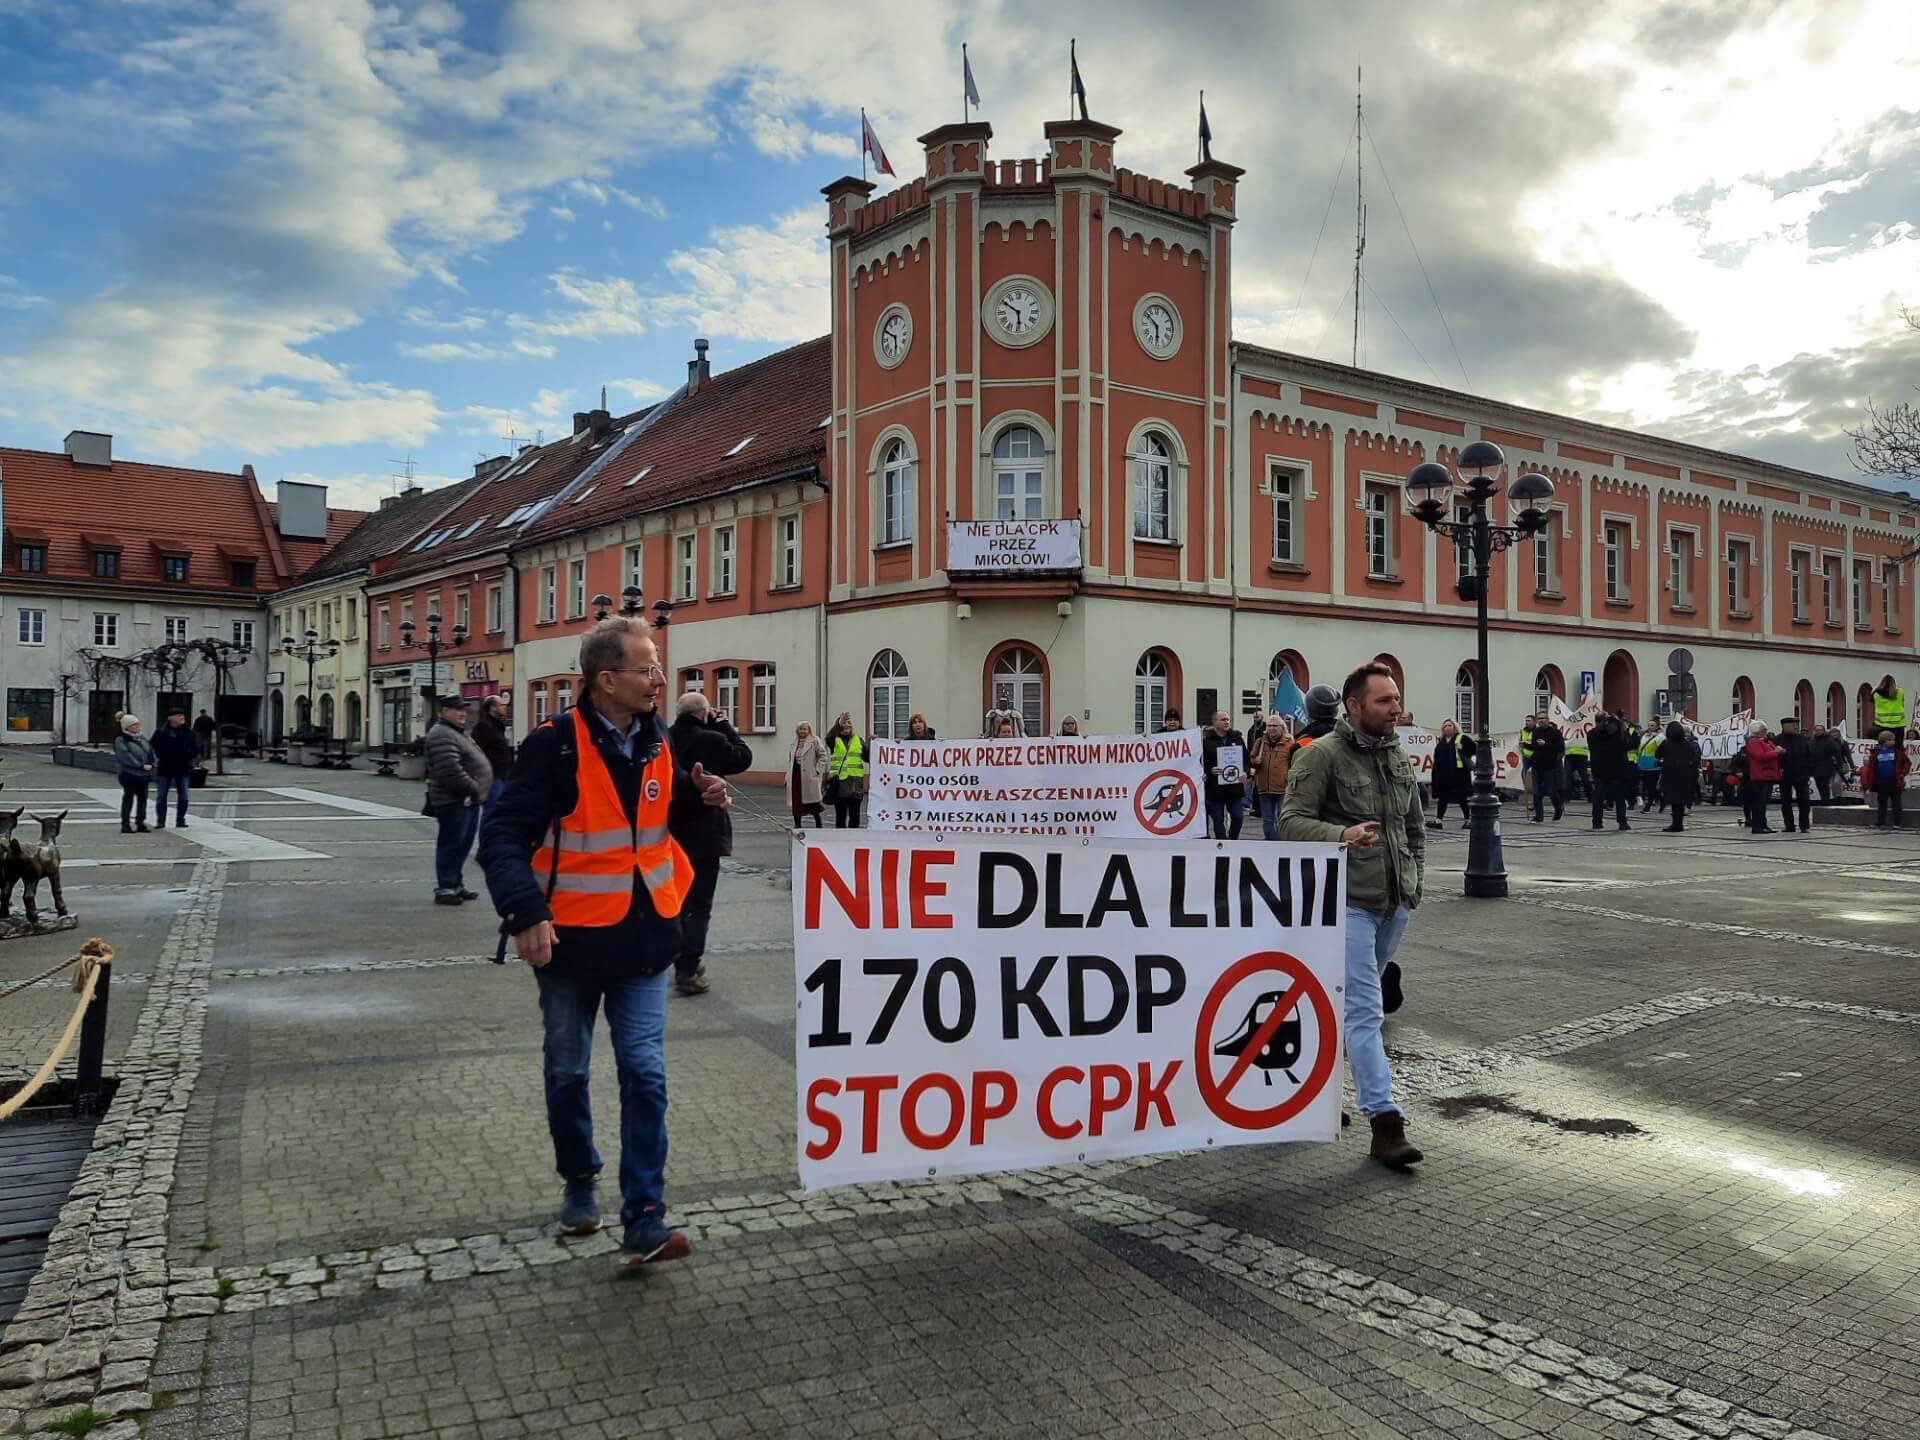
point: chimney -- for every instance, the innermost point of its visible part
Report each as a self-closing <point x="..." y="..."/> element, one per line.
<point x="493" y="465"/>
<point x="412" y="490"/>
<point x="387" y="502"/>
<point x="698" y="370"/>
<point x="302" y="511"/>
<point x="90" y="447"/>
<point x="579" y="421"/>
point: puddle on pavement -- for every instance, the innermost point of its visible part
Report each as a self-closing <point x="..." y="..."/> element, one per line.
<point x="1463" y="1107"/>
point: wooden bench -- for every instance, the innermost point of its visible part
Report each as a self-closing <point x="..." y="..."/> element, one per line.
<point x="277" y="754"/>
<point x="387" y="768"/>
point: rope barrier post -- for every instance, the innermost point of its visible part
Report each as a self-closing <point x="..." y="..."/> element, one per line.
<point x="93" y="1049"/>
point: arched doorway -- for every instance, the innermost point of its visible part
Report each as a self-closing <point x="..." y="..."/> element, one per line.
<point x="353" y="715"/>
<point x="326" y="715"/>
<point x="1620" y="685"/>
<point x="1803" y="704"/>
<point x="1548" y="685"/>
<point x="1864" y="712"/>
<point x="277" y="716"/>
<point x="1151" y="679"/>
<point x="1742" y="694"/>
<point x="890" y="704"/>
<point x="1466" y="681"/>
<point x="1017" y="681"/>
<point x="1836" y="704"/>
<point x="302" y="715"/>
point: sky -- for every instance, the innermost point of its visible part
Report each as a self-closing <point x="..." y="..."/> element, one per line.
<point x="328" y="237"/>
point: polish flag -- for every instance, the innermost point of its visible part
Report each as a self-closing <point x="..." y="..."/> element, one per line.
<point x="870" y="144"/>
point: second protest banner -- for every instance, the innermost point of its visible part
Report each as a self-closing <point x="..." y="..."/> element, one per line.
<point x="969" y="1003"/>
<point x="1138" y="785"/>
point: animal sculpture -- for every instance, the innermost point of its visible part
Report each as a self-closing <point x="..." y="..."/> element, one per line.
<point x="30" y="864"/>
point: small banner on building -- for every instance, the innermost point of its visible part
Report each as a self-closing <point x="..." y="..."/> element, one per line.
<point x="1120" y="785"/>
<point x="969" y="1004"/>
<point x="1013" y="546"/>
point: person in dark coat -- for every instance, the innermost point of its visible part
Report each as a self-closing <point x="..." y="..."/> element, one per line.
<point x="1549" y="751"/>
<point x="1611" y="767"/>
<point x="702" y="736"/>
<point x="1452" y="773"/>
<point x="1796" y="773"/>
<point x="1832" y="760"/>
<point x="1679" y="773"/>
<point x="174" y="752"/>
<point x="490" y="734"/>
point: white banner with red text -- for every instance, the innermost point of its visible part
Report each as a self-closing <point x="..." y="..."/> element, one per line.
<point x="1118" y="785"/>
<point x="970" y="1004"/>
<point x="1421" y="743"/>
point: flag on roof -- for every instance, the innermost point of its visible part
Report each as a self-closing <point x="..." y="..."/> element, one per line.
<point x="1079" y="85"/>
<point x="1206" y="130"/>
<point x="966" y="72"/>
<point x="870" y="145"/>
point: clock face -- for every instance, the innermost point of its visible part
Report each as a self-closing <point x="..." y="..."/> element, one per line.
<point x="893" y="336"/>
<point x="1156" y="327"/>
<point x="1019" y="310"/>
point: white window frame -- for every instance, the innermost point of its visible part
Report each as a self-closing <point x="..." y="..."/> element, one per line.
<point x="463" y="610"/>
<point x="1019" y="685"/>
<point x="894" y="683"/>
<point x="686" y="566"/>
<point x="1542" y="694"/>
<point x="1799" y="582"/>
<point x="633" y="564"/>
<point x="171" y="623"/>
<point x="406" y="612"/>
<point x="1464" y="698"/>
<point x="1739" y="562"/>
<point x="539" y="704"/>
<point x="765" y="696"/>
<point x="243" y="634"/>
<point x="106" y="629"/>
<point x="895" y="492"/>
<point x="1019" y="471"/>
<point x="1464" y="562"/>
<point x="33" y="626"/>
<point x="726" y="550"/>
<point x="726" y="692"/>
<point x="1616" y="558"/>
<point x="1544" y="570"/>
<point x="353" y="617"/>
<point x="693" y="682"/>
<point x="1683" y="546"/>
<point x="1862" y="588"/>
<point x="1150" y="682"/>
<point x="1890" y="598"/>
<point x="549" y="594"/>
<point x="1380" y="506"/>
<point x="577" y="587"/>
<point x="563" y="696"/>
<point x="1284" y="487"/>
<point x="496" y="609"/>
<point x="385" y="622"/>
<point x="1832" y="581"/>
<point x="786" y="551"/>
<point x="1155" y="472"/>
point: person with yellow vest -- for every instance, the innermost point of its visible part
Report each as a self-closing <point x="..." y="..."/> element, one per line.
<point x="1890" y="707"/>
<point x="846" y="771"/>
<point x="588" y="878"/>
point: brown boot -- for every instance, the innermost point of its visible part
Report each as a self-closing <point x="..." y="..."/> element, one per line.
<point x="1390" y="1145"/>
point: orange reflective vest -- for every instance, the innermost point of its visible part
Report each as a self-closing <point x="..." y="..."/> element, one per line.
<point x="590" y="855"/>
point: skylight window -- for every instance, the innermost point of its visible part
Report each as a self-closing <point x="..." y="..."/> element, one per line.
<point x="519" y="513"/>
<point x="738" y="448"/>
<point x="474" y="525"/>
<point x="585" y="493"/>
<point x="824" y="423"/>
<point x="639" y="475"/>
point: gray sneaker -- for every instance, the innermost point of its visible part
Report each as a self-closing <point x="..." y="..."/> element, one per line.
<point x="580" y="1206"/>
<point x="694" y="984"/>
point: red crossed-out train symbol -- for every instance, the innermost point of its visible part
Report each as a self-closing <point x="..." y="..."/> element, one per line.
<point x="1288" y="1027"/>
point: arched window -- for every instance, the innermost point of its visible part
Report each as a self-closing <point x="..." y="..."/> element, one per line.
<point x="1864" y="705"/>
<point x="1742" y="694"/>
<point x="896" y="493"/>
<point x="1620" y="684"/>
<point x="1803" y="704"/>
<point x="326" y="714"/>
<point x="1548" y="685"/>
<point x="1019" y="680"/>
<point x="1836" y="704"/>
<point x="1153" y="489"/>
<point x="1149" y="693"/>
<point x="1464" y="690"/>
<point x="1399" y="675"/>
<point x="726" y="692"/>
<point x="1294" y="663"/>
<point x="1019" y="474"/>
<point x="302" y="714"/>
<point x="353" y="715"/>
<point x="888" y="702"/>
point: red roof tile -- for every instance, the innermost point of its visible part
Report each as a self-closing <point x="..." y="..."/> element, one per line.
<point x="303" y="555"/>
<point x="46" y="494"/>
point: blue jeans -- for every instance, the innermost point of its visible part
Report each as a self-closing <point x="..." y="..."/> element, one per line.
<point x="1219" y="808"/>
<point x="1270" y="808"/>
<point x="169" y="784"/>
<point x="637" y="1020"/>
<point x="1371" y="941"/>
<point x="459" y="823"/>
<point x="494" y="793"/>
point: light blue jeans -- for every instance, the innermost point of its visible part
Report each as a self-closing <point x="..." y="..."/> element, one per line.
<point x="1371" y="941"/>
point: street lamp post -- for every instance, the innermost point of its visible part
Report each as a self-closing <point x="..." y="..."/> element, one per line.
<point x="1480" y="464"/>
<point x="223" y="655"/>
<point x="310" y="647"/>
<point x="434" y="645"/>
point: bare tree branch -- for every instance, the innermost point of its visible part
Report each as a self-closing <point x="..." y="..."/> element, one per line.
<point x="1889" y="443"/>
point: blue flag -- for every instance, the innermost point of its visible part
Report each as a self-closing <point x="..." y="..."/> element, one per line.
<point x="1287" y="699"/>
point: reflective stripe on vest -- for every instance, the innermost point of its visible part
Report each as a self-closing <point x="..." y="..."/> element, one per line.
<point x="592" y="853"/>
<point x="849" y="758"/>
<point x="1890" y="711"/>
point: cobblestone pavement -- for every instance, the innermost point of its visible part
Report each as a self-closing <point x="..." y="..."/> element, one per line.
<point x="1672" y="1187"/>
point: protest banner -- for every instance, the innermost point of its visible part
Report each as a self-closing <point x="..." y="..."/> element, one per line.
<point x="1420" y="744"/>
<point x="970" y="1004"/>
<point x="1121" y="785"/>
<point x="1013" y="545"/>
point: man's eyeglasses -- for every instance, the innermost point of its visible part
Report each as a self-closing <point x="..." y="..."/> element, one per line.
<point x="653" y="670"/>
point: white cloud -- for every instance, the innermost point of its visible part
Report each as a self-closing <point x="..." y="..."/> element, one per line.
<point x="448" y="350"/>
<point x="364" y="490"/>
<point x="640" y="391"/>
<point x="529" y="347"/>
<point x="12" y="297"/>
<point x="549" y="403"/>
<point x="427" y="320"/>
<point x="605" y="193"/>
<point x="561" y="213"/>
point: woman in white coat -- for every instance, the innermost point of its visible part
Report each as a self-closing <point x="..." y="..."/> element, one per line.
<point x="806" y="773"/>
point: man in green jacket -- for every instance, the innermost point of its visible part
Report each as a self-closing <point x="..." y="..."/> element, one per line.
<point x="1357" y="788"/>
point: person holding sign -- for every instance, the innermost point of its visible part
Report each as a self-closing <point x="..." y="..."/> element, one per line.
<point x="589" y="878"/>
<point x="1357" y="787"/>
<point x="1223" y="755"/>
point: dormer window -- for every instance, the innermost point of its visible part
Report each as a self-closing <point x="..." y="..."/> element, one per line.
<point x="173" y="569"/>
<point x="33" y="559"/>
<point x="241" y="573"/>
<point x="106" y="564"/>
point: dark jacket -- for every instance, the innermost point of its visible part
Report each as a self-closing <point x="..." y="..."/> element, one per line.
<point x="715" y="745"/>
<point x="1831" y="755"/>
<point x="1549" y="745"/>
<point x="1210" y="743"/>
<point x="135" y="754"/>
<point x="457" y="772"/>
<point x="203" y="727"/>
<point x="1453" y="767"/>
<point x="1796" y="758"/>
<point x="174" y="751"/>
<point x="1679" y="771"/>
<point x="493" y="743"/>
<point x="545" y="787"/>
<point x="1611" y="760"/>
